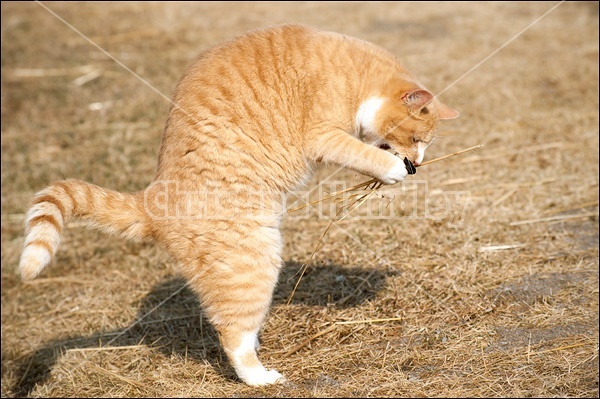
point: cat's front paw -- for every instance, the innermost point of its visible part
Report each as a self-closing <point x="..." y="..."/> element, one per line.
<point x="395" y="174"/>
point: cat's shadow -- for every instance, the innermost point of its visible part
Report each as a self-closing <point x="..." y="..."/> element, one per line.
<point x="170" y="320"/>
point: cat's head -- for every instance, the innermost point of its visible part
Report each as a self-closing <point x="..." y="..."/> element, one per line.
<point x="403" y="120"/>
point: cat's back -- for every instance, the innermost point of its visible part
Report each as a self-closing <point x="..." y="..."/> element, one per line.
<point x="255" y="96"/>
<point x="273" y="40"/>
<point x="255" y="78"/>
<point x="277" y="70"/>
<point x="238" y="102"/>
<point x="256" y="54"/>
<point x="281" y="56"/>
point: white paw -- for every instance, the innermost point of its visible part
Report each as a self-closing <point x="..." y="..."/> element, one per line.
<point x="396" y="174"/>
<point x="260" y="376"/>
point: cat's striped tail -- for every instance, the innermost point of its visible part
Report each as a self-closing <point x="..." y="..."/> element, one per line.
<point x="109" y="210"/>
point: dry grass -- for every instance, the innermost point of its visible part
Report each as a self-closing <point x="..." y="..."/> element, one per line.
<point x="499" y="301"/>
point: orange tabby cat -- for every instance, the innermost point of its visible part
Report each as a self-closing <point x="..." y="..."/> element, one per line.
<point x="249" y="121"/>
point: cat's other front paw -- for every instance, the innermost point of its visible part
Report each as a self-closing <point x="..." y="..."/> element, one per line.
<point x="396" y="174"/>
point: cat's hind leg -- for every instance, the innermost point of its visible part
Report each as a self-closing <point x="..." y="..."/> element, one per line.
<point x="235" y="284"/>
<point x="241" y="351"/>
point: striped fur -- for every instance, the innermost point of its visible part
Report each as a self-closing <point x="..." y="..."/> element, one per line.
<point x="109" y="210"/>
<point x="251" y="118"/>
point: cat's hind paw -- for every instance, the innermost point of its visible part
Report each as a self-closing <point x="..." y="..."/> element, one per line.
<point x="259" y="376"/>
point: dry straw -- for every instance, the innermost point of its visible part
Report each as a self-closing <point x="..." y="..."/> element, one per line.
<point x="371" y="187"/>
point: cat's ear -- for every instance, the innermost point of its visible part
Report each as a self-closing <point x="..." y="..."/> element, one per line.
<point x="416" y="99"/>
<point x="445" y="112"/>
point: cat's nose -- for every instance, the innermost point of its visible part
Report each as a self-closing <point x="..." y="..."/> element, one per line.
<point x="416" y="163"/>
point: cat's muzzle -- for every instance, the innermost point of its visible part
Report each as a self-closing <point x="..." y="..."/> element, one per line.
<point x="410" y="167"/>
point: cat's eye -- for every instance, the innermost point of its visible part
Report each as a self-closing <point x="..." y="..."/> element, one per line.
<point x="424" y="111"/>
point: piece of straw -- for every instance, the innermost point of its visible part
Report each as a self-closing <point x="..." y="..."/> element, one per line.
<point x="305" y="265"/>
<point x="333" y="327"/>
<point x="373" y="185"/>
<point x="309" y="340"/>
<point x="554" y="218"/>
<point x="572" y="208"/>
<point x="453" y="154"/>
<point x="491" y="248"/>
<point x="377" y="184"/>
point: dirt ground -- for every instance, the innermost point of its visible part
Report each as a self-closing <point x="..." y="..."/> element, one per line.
<point x="477" y="277"/>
